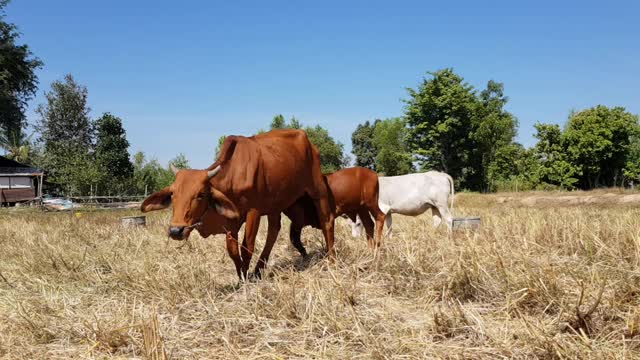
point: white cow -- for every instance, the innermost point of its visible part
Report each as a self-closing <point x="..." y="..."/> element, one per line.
<point x="412" y="195"/>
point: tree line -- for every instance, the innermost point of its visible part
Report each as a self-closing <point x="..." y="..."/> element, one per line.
<point x="450" y="126"/>
<point x="446" y="125"/>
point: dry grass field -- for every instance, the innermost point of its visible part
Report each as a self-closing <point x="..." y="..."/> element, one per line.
<point x="538" y="280"/>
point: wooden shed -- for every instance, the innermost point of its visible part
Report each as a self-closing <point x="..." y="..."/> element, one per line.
<point x="19" y="182"/>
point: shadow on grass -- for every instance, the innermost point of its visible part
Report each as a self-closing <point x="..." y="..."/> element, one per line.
<point x="296" y="262"/>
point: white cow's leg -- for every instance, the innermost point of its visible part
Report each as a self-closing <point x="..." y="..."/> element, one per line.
<point x="388" y="222"/>
<point x="437" y="217"/>
<point x="442" y="212"/>
<point x="356" y="227"/>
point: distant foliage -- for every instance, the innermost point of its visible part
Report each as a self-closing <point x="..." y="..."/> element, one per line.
<point x="278" y="122"/>
<point x="112" y="155"/>
<point x="218" y="147"/>
<point x="390" y="142"/>
<point x="599" y="143"/>
<point x="18" y="146"/>
<point x="332" y="156"/>
<point x="454" y="129"/>
<point x="86" y="157"/>
<point x="66" y="133"/>
<point x="362" y="145"/>
<point x="18" y="84"/>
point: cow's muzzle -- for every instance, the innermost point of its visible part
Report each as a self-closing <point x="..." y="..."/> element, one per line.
<point x="182" y="232"/>
<point x="177" y="232"/>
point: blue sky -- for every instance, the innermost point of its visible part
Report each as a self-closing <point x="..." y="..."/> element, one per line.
<point x="180" y="74"/>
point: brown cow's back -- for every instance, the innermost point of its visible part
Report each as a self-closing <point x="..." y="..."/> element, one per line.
<point x="353" y="188"/>
<point x="267" y="171"/>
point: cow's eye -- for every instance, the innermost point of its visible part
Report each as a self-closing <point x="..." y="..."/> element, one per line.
<point x="200" y="197"/>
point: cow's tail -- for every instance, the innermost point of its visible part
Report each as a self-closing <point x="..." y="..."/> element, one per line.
<point x="452" y="193"/>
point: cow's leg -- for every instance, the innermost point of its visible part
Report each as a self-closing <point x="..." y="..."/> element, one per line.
<point x="319" y="191"/>
<point x="327" y="221"/>
<point x="388" y="221"/>
<point x="437" y="217"/>
<point x="356" y="227"/>
<point x="250" y="231"/>
<point x="442" y="213"/>
<point x="295" y="232"/>
<point x="368" y="227"/>
<point x="272" y="236"/>
<point x="380" y="219"/>
<point x="234" y="251"/>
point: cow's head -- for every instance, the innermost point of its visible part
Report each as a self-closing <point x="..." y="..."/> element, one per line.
<point x="191" y="194"/>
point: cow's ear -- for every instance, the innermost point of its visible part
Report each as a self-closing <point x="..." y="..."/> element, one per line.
<point x="157" y="201"/>
<point x="223" y="205"/>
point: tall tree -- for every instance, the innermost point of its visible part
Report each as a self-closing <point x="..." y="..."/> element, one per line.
<point x="493" y="128"/>
<point x="362" y="145"/>
<point x="440" y="113"/>
<point x="66" y="133"/>
<point x="18" y="81"/>
<point x="389" y="140"/>
<point x="454" y="129"/>
<point x="598" y="140"/>
<point x="556" y="167"/>
<point x="112" y="154"/>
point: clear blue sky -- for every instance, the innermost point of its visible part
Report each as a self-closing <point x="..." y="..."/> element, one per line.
<point x="182" y="73"/>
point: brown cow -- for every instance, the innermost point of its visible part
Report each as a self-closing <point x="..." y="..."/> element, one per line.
<point x="354" y="191"/>
<point x="253" y="176"/>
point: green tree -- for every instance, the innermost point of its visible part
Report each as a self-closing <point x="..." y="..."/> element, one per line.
<point x="456" y="130"/>
<point x="165" y="176"/>
<point x="362" y="145"/>
<point x="493" y="128"/>
<point x="17" y="145"/>
<point x="513" y="168"/>
<point x="180" y="161"/>
<point x="112" y="155"/>
<point x="278" y="122"/>
<point x="556" y="167"/>
<point x="66" y="134"/>
<point x="148" y="176"/>
<point x="294" y="123"/>
<point x="599" y="141"/>
<point x="389" y="140"/>
<point x="18" y="81"/>
<point x="332" y="156"/>
<point x="632" y="167"/>
<point x="440" y="113"/>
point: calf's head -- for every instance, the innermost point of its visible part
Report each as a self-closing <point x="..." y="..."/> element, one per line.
<point x="192" y="195"/>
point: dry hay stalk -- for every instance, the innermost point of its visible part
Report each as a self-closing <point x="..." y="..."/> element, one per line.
<point x="153" y="344"/>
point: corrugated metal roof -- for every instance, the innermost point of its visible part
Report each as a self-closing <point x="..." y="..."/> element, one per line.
<point x="19" y="171"/>
<point x="10" y="167"/>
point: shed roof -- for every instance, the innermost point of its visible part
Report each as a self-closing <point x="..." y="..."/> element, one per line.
<point x="14" y="168"/>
